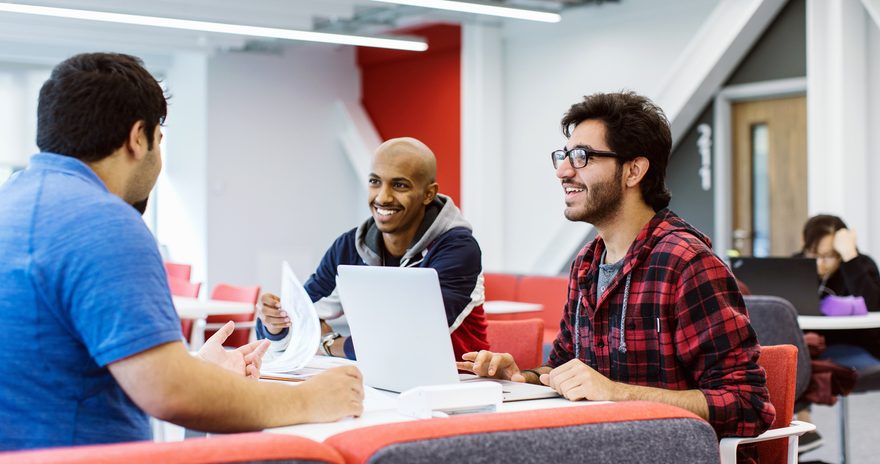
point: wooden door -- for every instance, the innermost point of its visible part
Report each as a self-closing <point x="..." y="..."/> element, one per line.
<point x="769" y="175"/>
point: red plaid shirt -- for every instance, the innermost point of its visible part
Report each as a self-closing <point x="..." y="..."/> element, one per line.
<point x="686" y="325"/>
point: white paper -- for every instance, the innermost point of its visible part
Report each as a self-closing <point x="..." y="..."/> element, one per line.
<point x="315" y="366"/>
<point x="305" y="328"/>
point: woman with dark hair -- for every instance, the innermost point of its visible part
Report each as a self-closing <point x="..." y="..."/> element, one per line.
<point x="843" y="271"/>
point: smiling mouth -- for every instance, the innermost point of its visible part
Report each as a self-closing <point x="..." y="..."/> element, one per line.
<point x="385" y="212"/>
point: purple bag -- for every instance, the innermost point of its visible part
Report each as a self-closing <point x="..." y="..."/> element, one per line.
<point x="843" y="306"/>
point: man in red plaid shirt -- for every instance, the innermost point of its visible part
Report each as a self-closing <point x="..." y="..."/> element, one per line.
<point x="652" y="313"/>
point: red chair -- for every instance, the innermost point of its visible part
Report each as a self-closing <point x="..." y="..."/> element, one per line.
<point x="500" y="286"/>
<point x="180" y="287"/>
<point x="552" y="293"/>
<point x="635" y="431"/>
<point x="780" y="364"/>
<point x="178" y="271"/>
<point x="523" y="339"/>
<point x="243" y="322"/>
<point x="244" y="447"/>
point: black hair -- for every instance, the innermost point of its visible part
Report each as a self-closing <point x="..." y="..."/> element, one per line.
<point x="818" y="227"/>
<point x="634" y="126"/>
<point x="90" y="102"/>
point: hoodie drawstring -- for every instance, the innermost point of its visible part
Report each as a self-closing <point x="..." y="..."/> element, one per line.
<point x="622" y="347"/>
<point x="577" y="329"/>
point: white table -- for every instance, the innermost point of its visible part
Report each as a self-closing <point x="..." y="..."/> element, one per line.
<point x="320" y="432"/>
<point x="510" y="307"/>
<point x="868" y="321"/>
<point x="198" y="310"/>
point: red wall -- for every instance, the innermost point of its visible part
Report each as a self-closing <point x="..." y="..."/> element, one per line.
<point x="418" y="94"/>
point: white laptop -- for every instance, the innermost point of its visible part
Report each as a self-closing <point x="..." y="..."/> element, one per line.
<point x="398" y="324"/>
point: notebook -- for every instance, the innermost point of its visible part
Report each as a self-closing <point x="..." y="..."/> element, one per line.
<point x="398" y="324"/>
<point x="791" y="278"/>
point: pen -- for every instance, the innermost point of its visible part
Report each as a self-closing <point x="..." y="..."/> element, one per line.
<point x="282" y="379"/>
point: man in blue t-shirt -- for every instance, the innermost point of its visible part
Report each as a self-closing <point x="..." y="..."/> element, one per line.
<point x="94" y="343"/>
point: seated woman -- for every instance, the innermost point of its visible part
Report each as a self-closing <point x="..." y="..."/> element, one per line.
<point x="843" y="271"/>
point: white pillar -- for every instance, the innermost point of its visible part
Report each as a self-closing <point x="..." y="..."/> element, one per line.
<point x="482" y="154"/>
<point x="871" y="243"/>
<point x="183" y="185"/>
<point x="837" y="113"/>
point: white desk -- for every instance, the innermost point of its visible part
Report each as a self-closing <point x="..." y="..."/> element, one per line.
<point x="198" y="310"/>
<point x="320" y="432"/>
<point x="868" y="321"/>
<point x="510" y="307"/>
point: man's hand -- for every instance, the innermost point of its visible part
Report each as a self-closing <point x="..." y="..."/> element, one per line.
<point x="576" y="380"/>
<point x="493" y="365"/>
<point x="245" y="360"/>
<point x="845" y="244"/>
<point x="334" y="394"/>
<point x="274" y="318"/>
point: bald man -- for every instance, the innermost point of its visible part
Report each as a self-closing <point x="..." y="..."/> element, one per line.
<point x="411" y="225"/>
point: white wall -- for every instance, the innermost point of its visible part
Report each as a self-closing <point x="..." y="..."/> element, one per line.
<point x="19" y="89"/>
<point x="278" y="183"/>
<point x="547" y="68"/>
<point x="869" y="239"/>
<point x="482" y="183"/>
<point x="843" y="56"/>
<point x="181" y="194"/>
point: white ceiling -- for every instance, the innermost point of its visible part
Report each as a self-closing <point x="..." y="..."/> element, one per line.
<point x="46" y="40"/>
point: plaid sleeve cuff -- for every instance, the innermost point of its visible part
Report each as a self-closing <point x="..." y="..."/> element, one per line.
<point x="730" y="418"/>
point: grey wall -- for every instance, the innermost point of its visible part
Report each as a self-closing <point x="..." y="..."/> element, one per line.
<point x="780" y="53"/>
<point x="689" y="200"/>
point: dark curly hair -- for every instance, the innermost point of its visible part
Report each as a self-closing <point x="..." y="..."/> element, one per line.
<point x="91" y="101"/>
<point x="634" y="126"/>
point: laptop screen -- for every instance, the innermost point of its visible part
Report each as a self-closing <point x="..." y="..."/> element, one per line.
<point x="398" y="326"/>
<point x="793" y="279"/>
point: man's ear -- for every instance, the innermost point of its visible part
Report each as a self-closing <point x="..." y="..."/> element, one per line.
<point x="431" y="193"/>
<point x="137" y="141"/>
<point x="636" y="171"/>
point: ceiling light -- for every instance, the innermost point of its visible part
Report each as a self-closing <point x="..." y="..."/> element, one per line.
<point x="482" y="8"/>
<point x="220" y="28"/>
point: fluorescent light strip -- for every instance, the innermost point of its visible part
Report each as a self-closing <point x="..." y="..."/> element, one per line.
<point x="220" y="28"/>
<point x="481" y="8"/>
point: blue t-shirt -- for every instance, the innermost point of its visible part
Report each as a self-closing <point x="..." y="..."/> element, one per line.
<point x="81" y="285"/>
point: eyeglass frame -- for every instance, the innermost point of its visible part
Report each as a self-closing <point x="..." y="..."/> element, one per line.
<point x="589" y="153"/>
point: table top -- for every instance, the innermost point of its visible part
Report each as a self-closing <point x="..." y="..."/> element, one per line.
<point x="510" y="307"/>
<point x="192" y="308"/>
<point x="867" y="321"/>
<point x="379" y="415"/>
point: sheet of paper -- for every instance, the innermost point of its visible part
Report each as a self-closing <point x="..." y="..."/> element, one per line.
<point x="305" y="327"/>
<point x="314" y="367"/>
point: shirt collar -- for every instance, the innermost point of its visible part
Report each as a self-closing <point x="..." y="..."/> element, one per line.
<point x="68" y="164"/>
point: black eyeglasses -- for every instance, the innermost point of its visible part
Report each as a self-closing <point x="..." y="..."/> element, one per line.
<point x="579" y="156"/>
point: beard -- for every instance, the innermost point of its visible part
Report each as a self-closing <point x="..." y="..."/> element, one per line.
<point x="603" y="201"/>
<point x="141" y="206"/>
